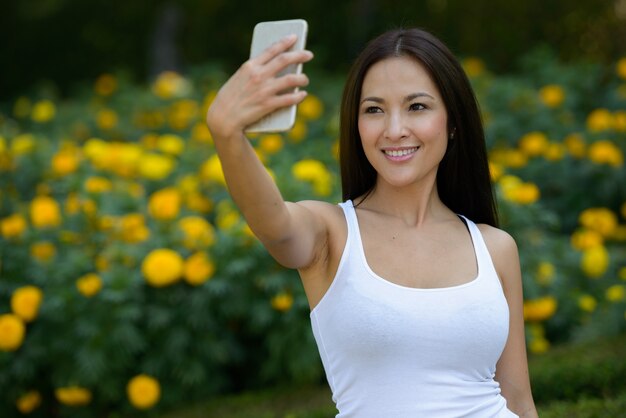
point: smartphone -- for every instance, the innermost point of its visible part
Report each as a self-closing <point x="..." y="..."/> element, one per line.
<point x="264" y="35"/>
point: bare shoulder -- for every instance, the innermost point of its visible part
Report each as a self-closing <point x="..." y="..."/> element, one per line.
<point x="330" y="213"/>
<point x="499" y="242"/>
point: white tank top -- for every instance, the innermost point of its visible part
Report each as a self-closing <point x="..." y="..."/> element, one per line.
<point x="399" y="352"/>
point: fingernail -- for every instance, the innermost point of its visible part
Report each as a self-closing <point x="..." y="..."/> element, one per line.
<point x="291" y="37"/>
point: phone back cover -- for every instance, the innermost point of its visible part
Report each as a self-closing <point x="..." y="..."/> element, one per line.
<point x="265" y="34"/>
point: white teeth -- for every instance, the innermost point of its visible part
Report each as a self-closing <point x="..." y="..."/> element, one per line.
<point x="400" y="153"/>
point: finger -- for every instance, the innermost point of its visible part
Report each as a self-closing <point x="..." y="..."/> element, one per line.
<point x="285" y="100"/>
<point x="287" y="83"/>
<point x="282" y="61"/>
<point x="276" y="48"/>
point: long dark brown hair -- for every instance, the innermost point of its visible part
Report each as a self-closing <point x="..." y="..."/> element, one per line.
<point x="463" y="180"/>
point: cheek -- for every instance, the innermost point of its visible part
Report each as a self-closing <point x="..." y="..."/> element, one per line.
<point x="364" y="127"/>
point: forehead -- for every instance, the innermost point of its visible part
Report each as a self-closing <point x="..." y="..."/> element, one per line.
<point x="398" y="74"/>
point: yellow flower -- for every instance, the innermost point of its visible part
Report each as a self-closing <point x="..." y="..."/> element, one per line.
<point x="171" y="144"/>
<point x="523" y="194"/>
<point x="23" y="144"/>
<point x="89" y="285"/>
<point x="155" y="166"/>
<point x="227" y="219"/>
<point x="616" y="293"/>
<point x="170" y="84"/>
<point x="105" y="85"/>
<point x="164" y="204"/>
<point x="554" y="152"/>
<point x="315" y="172"/>
<point x="601" y="220"/>
<point x="198" y="203"/>
<point x="211" y="170"/>
<point x="552" y="95"/>
<point x="595" y="261"/>
<point x="539" y="309"/>
<point x="619" y="120"/>
<point x="162" y="267"/>
<point x="298" y="132"/>
<point x="599" y="120"/>
<point x="72" y="203"/>
<point x="43" y="251"/>
<point x="545" y="272"/>
<point x="25" y="302"/>
<point x="65" y="161"/>
<point x="45" y="212"/>
<point x="73" y="395"/>
<point x="143" y="391"/>
<point x="515" y="159"/>
<point x="106" y="119"/>
<point x="149" y="141"/>
<point x="473" y="66"/>
<point x="89" y="207"/>
<point x="182" y="113"/>
<point x="495" y="171"/>
<point x="200" y="132"/>
<point x="311" y="108"/>
<point x="606" y="152"/>
<point x="584" y="239"/>
<point x="282" y="302"/>
<point x="133" y="228"/>
<point x="622" y="273"/>
<point x="95" y="149"/>
<point x="271" y="144"/>
<point x="13" y="226"/>
<point x="620" y="68"/>
<point x="198" y="232"/>
<point x="533" y="144"/>
<point x="575" y="145"/>
<point x="539" y="345"/>
<point x="97" y="184"/>
<point x="189" y="184"/>
<point x="12" y="330"/>
<point x="28" y="402"/>
<point x="43" y="111"/>
<point x="198" y="268"/>
<point x="587" y="303"/>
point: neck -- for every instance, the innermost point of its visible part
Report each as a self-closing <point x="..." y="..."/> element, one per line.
<point x="415" y="204"/>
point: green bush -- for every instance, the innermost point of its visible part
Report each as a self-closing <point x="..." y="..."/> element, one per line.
<point x="586" y="408"/>
<point x="590" y="370"/>
<point x="130" y="281"/>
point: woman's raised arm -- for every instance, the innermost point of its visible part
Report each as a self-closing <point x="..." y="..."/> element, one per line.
<point x="291" y="232"/>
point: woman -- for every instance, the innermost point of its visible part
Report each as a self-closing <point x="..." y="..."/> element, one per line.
<point x="416" y="310"/>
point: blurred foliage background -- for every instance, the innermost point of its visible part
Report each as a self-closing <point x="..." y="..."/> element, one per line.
<point x="66" y="41"/>
<point x="129" y="282"/>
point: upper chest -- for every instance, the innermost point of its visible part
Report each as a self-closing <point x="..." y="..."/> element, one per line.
<point x="430" y="256"/>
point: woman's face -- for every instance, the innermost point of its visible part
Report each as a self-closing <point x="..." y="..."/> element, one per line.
<point x="402" y="122"/>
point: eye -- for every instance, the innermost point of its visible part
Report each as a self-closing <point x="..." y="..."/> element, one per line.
<point x="417" y="106"/>
<point x="372" y="109"/>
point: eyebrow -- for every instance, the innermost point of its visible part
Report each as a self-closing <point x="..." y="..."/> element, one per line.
<point x="408" y="98"/>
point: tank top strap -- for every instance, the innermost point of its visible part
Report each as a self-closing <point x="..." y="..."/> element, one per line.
<point x="352" y="221"/>
<point x="483" y="258"/>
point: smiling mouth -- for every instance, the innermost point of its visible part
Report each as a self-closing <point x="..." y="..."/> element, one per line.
<point x="400" y="152"/>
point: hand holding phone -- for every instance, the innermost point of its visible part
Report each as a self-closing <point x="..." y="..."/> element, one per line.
<point x="266" y="34"/>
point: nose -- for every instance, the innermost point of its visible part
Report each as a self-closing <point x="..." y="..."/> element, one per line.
<point x="395" y="127"/>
